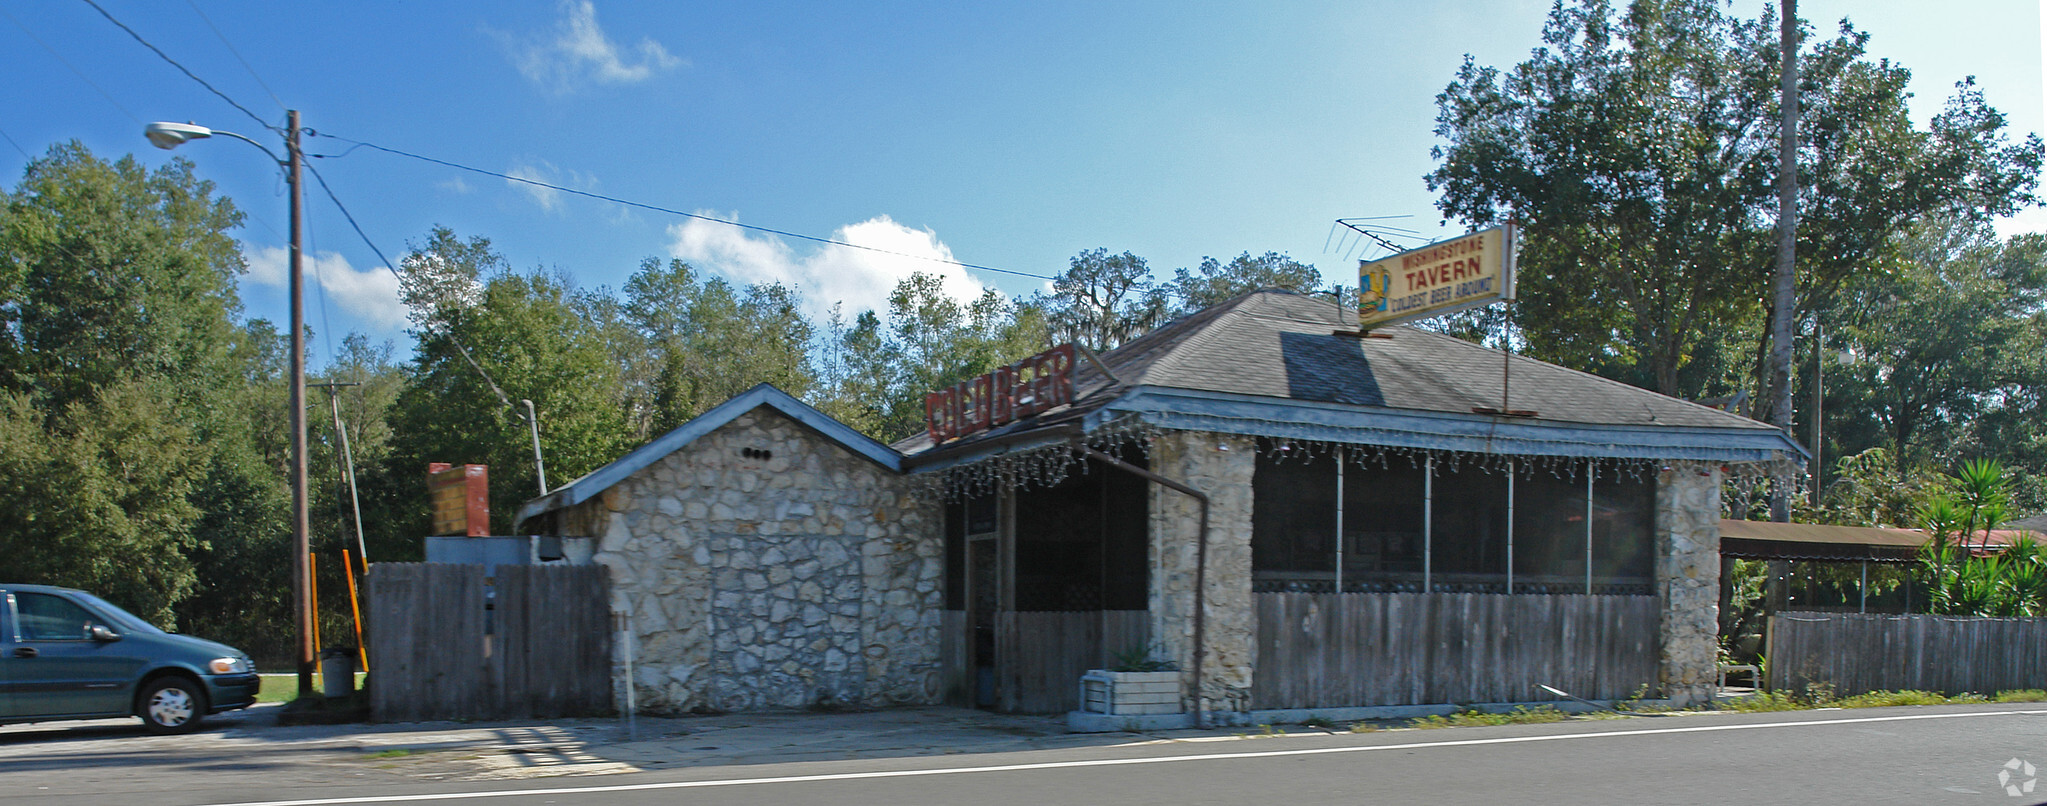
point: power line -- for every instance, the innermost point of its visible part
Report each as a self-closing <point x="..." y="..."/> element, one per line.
<point x="388" y="266"/>
<point x="238" y="55"/>
<point x="17" y="146"/>
<point x="181" y="68"/>
<point x="668" y="210"/>
<point x="320" y="280"/>
<point x="68" y="66"/>
<point x="393" y="269"/>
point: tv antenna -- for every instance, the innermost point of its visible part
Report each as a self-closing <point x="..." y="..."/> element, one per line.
<point x="1360" y="232"/>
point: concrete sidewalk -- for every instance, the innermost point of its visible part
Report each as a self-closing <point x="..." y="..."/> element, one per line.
<point x="537" y="748"/>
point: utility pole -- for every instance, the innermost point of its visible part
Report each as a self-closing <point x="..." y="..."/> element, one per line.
<point x="539" y="466"/>
<point x="1784" y="291"/>
<point x="301" y="517"/>
<point x="169" y="135"/>
<point x="1819" y="388"/>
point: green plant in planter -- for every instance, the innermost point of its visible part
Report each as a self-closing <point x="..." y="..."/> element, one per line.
<point x="1140" y="659"/>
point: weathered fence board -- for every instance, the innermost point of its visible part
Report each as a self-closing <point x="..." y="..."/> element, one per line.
<point x="1040" y="656"/>
<point x="426" y="641"/>
<point x="447" y="643"/>
<point x="1324" y="650"/>
<point x="554" y="640"/>
<point x="1853" y="653"/>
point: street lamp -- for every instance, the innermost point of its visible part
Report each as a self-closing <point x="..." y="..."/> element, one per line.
<point x="171" y="135"/>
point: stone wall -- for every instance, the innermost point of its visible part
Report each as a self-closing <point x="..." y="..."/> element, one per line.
<point x="1219" y="465"/>
<point x="765" y="567"/>
<point x="1688" y="579"/>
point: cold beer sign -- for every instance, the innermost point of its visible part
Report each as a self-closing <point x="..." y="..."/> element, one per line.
<point x="1009" y="393"/>
<point x="1443" y="277"/>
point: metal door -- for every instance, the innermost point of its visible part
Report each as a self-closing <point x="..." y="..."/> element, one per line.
<point x="6" y="654"/>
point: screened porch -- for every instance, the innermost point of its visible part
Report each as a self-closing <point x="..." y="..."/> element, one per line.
<point x="1404" y="578"/>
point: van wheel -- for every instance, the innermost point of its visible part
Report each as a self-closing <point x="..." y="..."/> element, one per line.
<point x="171" y="705"/>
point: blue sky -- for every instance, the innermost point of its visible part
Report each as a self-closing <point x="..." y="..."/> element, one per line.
<point x="1004" y="135"/>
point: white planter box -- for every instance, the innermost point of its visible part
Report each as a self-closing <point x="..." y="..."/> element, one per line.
<point x="1132" y="693"/>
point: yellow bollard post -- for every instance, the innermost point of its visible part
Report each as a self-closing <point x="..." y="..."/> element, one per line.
<point x="362" y="651"/>
<point x="313" y="579"/>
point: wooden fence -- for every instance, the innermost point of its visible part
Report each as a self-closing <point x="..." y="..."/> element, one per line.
<point x="447" y="643"/>
<point x="1856" y="653"/>
<point x="1040" y="656"/>
<point x="1324" y="650"/>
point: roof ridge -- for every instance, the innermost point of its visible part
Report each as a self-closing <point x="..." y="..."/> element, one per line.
<point x="763" y="394"/>
<point x="1205" y="330"/>
<point x="1135" y="350"/>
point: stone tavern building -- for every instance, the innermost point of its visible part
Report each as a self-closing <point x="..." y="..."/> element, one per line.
<point x="1393" y="518"/>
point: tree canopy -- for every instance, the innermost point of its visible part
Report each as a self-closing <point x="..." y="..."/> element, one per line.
<point x="140" y="438"/>
<point x="1636" y="151"/>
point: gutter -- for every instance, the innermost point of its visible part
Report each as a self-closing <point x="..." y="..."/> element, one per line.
<point x="1056" y="433"/>
<point x="1200" y="568"/>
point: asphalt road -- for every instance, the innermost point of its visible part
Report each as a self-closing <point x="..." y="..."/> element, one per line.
<point x="1945" y="754"/>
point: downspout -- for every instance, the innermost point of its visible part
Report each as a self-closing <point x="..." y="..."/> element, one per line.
<point x="1200" y="566"/>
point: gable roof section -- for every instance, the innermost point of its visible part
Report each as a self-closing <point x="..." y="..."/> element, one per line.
<point x="601" y="479"/>
<point x="1277" y="363"/>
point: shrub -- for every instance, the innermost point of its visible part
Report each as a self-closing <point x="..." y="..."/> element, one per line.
<point x="1879" y="699"/>
<point x="1522" y="715"/>
<point x="1763" y="701"/>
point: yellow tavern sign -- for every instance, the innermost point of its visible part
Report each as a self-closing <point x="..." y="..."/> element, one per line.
<point x="1441" y="278"/>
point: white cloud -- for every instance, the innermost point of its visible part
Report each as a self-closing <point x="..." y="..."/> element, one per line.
<point x="455" y="184"/>
<point x="548" y="198"/>
<point x="2029" y="220"/>
<point x="861" y="279"/>
<point x="579" y="53"/>
<point x="371" y="295"/>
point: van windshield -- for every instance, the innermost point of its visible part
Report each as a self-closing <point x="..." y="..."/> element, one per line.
<point x="122" y="619"/>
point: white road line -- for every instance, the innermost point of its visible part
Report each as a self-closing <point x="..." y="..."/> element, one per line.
<point x="1112" y="762"/>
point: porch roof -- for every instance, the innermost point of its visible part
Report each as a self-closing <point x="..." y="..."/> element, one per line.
<point x="1817" y="541"/>
<point x="1763" y="540"/>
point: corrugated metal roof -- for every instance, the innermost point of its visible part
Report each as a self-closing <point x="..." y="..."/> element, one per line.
<point x="1880" y="536"/>
<point x="1822" y="533"/>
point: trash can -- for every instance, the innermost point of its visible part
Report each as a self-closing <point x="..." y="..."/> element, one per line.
<point x="337" y="671"/>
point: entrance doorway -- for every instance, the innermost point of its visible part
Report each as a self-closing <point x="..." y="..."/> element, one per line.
<point x="1045" y="583"/>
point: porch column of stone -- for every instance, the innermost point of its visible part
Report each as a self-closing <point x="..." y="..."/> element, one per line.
<point x="1688" y="580"/>
<point x="1219" y="465"/>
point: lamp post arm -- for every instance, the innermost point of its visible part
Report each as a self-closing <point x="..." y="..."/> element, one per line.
<point x="266" y="149"/>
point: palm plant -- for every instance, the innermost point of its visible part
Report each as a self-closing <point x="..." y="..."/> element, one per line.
<point x="1982" y="494"/>
<point x="1941" y="519"/>
<point x="1968" y="580"/>
<point x="2025" y="577"/>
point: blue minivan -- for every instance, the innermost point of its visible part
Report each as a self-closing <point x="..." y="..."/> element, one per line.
<point x="67" y="654"/>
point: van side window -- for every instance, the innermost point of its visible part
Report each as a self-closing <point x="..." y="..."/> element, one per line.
<point x="51" y="618"/>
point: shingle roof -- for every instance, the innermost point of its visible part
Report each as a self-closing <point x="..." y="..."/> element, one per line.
<point x="1281" y="344"/>
<point x="1286" y="347"/>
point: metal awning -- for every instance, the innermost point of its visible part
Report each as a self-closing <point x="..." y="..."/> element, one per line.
<point x="1763" y="540"/>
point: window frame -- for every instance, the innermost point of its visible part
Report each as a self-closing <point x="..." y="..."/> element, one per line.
<point x="1590" y="499"/>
